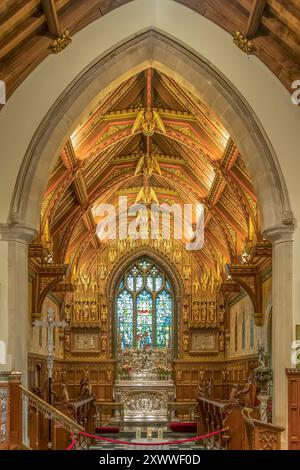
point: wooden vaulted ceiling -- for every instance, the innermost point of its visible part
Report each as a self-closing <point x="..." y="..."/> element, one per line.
<point x="197" y="158"/>
<point x="28" y="28"/>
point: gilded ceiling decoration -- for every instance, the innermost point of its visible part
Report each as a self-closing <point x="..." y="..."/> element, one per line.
<point x="154" y="142"/>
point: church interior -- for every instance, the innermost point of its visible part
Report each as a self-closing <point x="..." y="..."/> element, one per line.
<point x="113" y="327"/>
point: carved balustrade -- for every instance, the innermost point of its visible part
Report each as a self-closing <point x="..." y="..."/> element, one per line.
<point x="84" y="413"/>
<point x="211" y="415"/>
<point x="43" y="418"/>
<point x="181" y="409"/>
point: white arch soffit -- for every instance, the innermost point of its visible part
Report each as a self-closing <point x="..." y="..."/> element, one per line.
<point x="108" y="51"/>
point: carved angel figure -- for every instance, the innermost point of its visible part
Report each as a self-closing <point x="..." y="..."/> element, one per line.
<point x="261" y="355"/>
<point x="203" y="312"/>
<point x="85" y="389"/>
<point x="233" y="396"/>
<point x="148" y="119"/>
<point x="185" y="343"/>
<point x="65" y="394"/>
<point x="249" y="392"/>
<point x="196" y="286"/>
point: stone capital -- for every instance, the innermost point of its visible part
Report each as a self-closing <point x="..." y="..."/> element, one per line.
<point x="18" y="233"/>
<point x="280" y="233"/>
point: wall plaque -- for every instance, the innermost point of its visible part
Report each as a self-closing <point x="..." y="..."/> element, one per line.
<point x="85" y="342"/>
<point x="204" y="342"/>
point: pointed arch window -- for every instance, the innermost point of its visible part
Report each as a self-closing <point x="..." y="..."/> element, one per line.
<point x="144" y="307"/>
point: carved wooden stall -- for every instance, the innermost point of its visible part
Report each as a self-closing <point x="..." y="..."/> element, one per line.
<point x="293" y="376"/>
<point x="216" y="377"/>
<point x="259" y="435"/>
<point x="243" y="431"/>
<point x="101" y="376"/>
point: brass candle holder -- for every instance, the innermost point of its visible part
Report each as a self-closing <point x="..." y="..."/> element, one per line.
<point x="149" y="434"/>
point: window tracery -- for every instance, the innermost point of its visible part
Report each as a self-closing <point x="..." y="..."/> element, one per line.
<point x="144" y="307"/>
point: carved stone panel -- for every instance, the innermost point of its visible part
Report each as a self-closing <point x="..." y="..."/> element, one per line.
<point x="145" y="400"/>
<point x="4" y="416"/>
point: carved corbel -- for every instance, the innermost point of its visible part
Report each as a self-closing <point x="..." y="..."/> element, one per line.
<point x="35" y="250"/>
<point x="262" y="249"/>
<point x="230" y="287"/>
<point x="248" y="278"/>
<point x="64" y="287"/>
<point x="47" y="278"/>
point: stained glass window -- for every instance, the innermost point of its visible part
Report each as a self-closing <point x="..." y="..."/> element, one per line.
<point x="139" y="282"/>
<point x="252" y="333"/>
<point x="125" y="319"/>
<point x="144" y="306"/>
<point x="244" y="332"/>
<point x="130" y="282"/>
<point x="163" y="319"/>
<point x="158" y="283"/>
<point x="149" y="282"/>
<point x="144" y="319"/>
<point x="144" y="264"/>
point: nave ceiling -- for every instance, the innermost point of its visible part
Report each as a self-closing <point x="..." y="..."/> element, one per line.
<point x="183" y="155"/>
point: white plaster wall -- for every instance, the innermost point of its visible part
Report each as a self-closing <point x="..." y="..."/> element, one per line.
<point x="266" y="95"/>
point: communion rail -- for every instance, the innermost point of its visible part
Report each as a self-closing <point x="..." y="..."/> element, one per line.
<point x="44" y="426"/>
<point x="210" y="417"/>
<point x="83" y="411"/>
<point x="243" y="431"/>
<point x="109" y="411"/>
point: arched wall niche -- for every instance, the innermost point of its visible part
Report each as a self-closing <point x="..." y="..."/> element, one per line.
<point x="172" y="273"/>
<point x="151" y="48"/>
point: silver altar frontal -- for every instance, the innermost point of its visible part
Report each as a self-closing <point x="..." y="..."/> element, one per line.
<point x="146" y="390"/>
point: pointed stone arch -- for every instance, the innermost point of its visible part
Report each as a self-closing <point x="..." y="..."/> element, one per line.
<point x="151" y="49"/>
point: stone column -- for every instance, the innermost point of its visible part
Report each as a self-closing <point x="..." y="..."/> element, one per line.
<point x="282" y="319"/>
<point x="14" y="241"/>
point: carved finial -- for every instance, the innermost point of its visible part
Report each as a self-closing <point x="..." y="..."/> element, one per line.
<point x="60" y="43"/>
<point x="243" y="43"/>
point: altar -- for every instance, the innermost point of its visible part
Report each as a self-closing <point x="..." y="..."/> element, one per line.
<point x="144" y="384"/>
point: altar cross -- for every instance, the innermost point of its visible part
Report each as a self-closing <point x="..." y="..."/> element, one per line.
<point x="50" y="324"/>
